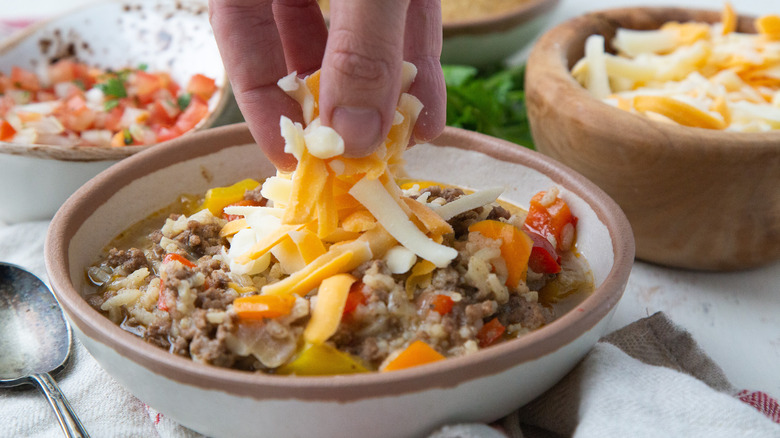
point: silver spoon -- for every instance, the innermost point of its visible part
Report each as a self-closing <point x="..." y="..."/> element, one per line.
<point x="34" y="341"/>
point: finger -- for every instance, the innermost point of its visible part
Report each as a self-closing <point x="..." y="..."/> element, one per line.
<point x="303" y="32"/>
<point x="361" y="71"/>
<point x="251" y="51"/>
<point x="422" y="47"/>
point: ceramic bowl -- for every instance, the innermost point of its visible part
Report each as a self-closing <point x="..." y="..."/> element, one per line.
<point x="221" y="402"/>
<point x="696" y="198"/>
<point x="166" y="36"/>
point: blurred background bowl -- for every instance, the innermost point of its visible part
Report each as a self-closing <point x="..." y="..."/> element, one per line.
<point x="223" y="402"/>
<point x="166" y="36"/>
<point x="484" y="33"/>
<point x="696" y="198"/>
<point x="475" y="36"/>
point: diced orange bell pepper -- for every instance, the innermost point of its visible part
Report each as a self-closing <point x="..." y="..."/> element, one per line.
<point x="417" y="353"/>
<point x="515" y="247"/>
<point x="257" y="307"/>
<point x="442" y="304"/>
<point x="550" y="220"/>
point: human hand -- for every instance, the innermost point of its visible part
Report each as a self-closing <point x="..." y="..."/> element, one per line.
<point x="360" y="59"/>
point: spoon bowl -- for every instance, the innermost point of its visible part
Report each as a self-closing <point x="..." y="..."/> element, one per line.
<point x="35" y="340"/>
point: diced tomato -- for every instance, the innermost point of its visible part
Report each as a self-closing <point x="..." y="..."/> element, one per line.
<point x="544" y="259"/>
<point x="202" y="86"/>
<point x="163" y="112"/>
<point x="5" y="83"/>
<point x="243" y="202"/>
<point x="168" y="83"/>
<point x="25" y="79"/>
<point x="490" y="333"/>
<point x="63" y="70"/>
<point x="146" y="85"/>
<point x="179" y="258"/>
<point x="442" y="304"/>
<point x="45" y="96"/>
<point x="6" y="131"/>
<point x="110" y="120"/>
<point x="195" y="112"/>
<point x="355" y="297"/>
<point x="76" y="116"/>
<point x="165" y="133"/>
<point x="6" y="103"/>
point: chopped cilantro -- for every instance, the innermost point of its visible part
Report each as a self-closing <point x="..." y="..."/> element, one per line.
<point x="490" y="101"/>
<point x="113" y="87"/>
<point x="80" y="83"/>
<point x="184" y="101"/>
<point x="143" y="66"/>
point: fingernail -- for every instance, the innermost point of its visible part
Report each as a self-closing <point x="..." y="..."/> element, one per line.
<point x="360" y="128"/>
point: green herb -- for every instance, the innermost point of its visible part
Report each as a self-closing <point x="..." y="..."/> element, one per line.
<point x="143" y="66"/>
<point x="113" y="87"/>
<point x="110" y="104"/>
<point x="80" y="83"/>
<point x="490" y="101"/>
<point x="127" y="137"/>
<point x="184" y="101"/>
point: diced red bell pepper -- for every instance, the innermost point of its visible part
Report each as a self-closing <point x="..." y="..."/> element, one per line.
<point x="355" y="297"/>
<point x="490" y="333"/>
<point x="544" y="259"/>
<point x="179" y="258"/>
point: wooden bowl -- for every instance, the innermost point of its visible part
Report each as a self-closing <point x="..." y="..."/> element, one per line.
<point x="696" y="198"/>
<point x="221" y="402"/>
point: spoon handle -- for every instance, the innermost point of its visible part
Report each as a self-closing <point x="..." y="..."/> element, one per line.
<point x="69" y="422"/>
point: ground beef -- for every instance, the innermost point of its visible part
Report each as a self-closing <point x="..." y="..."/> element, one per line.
<point x="255" y="195"/>
<point x="530" y="315"/>
<point x="158" y="333"/>
<point x="476" y="313"/>
<point x="129" y="260"/>
<point x="201" y="239"/>
<point x="498" y="212"/>
<point x="460" y="223"/>
<point x="208" y="341"/>
<point x="449" y="194"/>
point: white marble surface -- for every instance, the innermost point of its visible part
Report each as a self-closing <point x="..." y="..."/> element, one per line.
<point x="734" y="316"/>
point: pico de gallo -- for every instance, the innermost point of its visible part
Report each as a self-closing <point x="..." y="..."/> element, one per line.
<point x="73" y="104"/>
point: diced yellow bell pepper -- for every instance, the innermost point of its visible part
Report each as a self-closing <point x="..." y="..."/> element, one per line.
<point x="322" y="360"/>
<point x="218" y="198"/>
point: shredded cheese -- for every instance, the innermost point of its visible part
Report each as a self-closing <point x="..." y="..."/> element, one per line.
<point x="693" y="74"/>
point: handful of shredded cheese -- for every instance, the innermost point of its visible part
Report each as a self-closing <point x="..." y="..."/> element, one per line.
<point x="693" y="74"/>
<point x="333" y="213"/>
